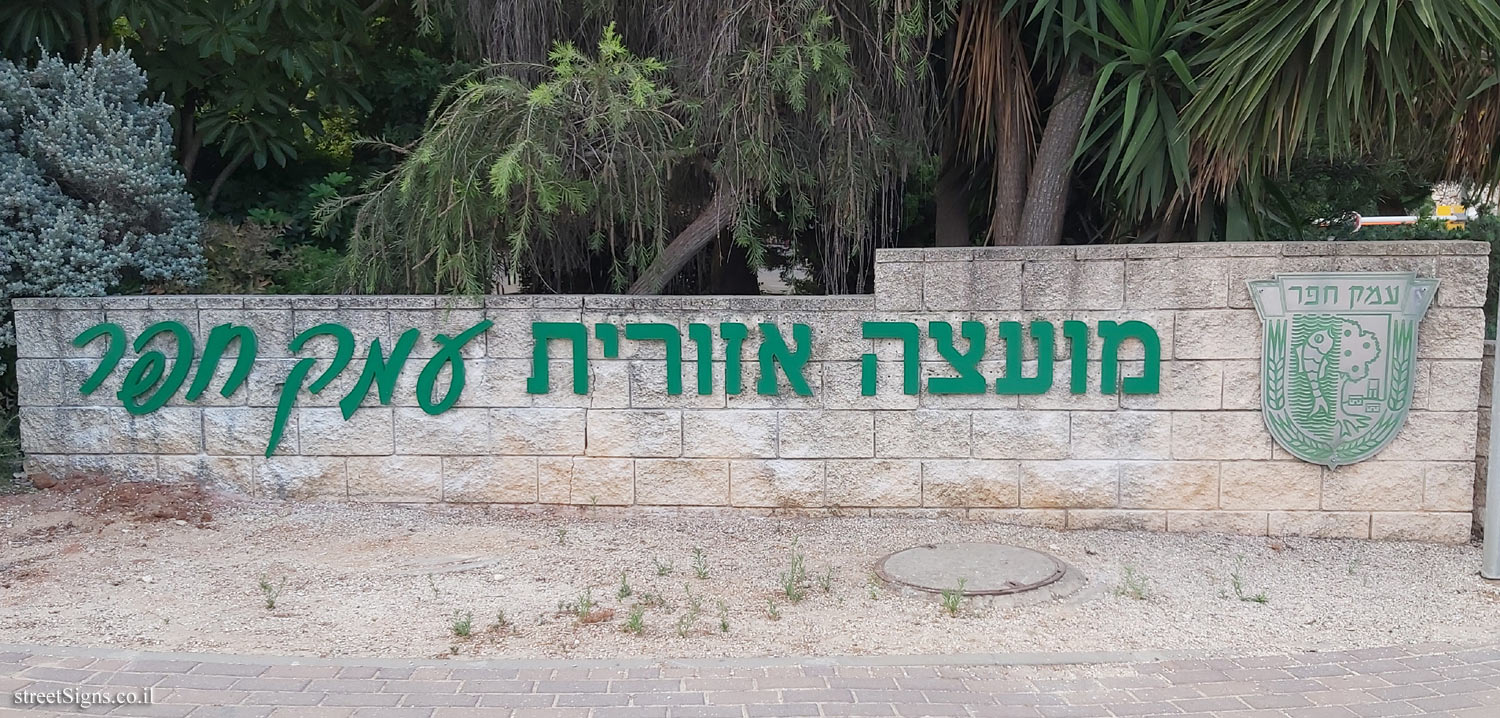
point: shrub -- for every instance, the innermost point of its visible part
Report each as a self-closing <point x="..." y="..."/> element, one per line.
<point x="91" y="199"/>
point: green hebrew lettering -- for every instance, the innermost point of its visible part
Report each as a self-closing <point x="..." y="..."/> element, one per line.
<point x="543" y="332"/>
<point x="218" y="340"/>
<point x="734" y="334"/>
<point x="1149" y="382"/>
<point x="113" y="351"/>
<point x="667" y="334"/>
<point x="774" y="352"/>
<point x="969" y="380"/>
<point x="609" y="336"/>
<point x="300" y="370"/>
<point x="1013" y="382"/>
<point x="380" y="372"/>
<point x="148" y="369"/>
<point x="1078" y="352"/>
<point x="702" y="337"/>
<point x="911" y="356"/>
<point x="451" y="353"/>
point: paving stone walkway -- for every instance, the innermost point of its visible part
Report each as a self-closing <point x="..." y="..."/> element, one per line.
<point x="1434" y="680"/>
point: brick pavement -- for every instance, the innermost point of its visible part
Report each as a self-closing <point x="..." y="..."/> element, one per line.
<point x="1435" y="680"/>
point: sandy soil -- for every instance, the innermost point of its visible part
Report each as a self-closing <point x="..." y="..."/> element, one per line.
<point x="173" y="569"/>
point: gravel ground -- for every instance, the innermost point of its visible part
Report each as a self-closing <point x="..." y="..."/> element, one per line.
<point x="371" y="580"/>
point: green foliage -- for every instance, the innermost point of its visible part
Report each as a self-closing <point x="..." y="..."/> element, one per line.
<point x="580" y="159"/>
<point x="93" y="201"/>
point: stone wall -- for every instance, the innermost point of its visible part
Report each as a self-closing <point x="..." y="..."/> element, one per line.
<point x="1482" y="443"/>
<point x="1194" y="457"/>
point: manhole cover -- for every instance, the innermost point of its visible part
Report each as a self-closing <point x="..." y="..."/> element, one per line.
<point x="987" y="569"/>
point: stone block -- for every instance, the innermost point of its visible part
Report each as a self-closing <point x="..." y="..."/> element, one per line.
<point x="609" y="386"/>
<point x="634" y="432"/>
<point x="399" y="479"/>
<point x="115" y="467"/>
<point x="1117" y="519"/>
<point x="1169" y="484"/>
<point x="874" y="482"/>
<point x="1462" y="280"/>
<point x="1069" y="484"/>
<point x="49" y="334"/>
<point x="1220" y="435"/>
<point x="1243" y="270"/>
<point x="1185" y="385"/>
<point x="1121" y="435"/>
<point x="1070" y="285"/>
<point x="39" y="382"/>
<point x="1449" y="386"/>
<point x="1216" y="334"/>
<point x="221" y="473"/>
<point x="1451" y="333"/>
<point x="555" y="479"/>
<point x="997" y="285"/>
<point x="1195" y="283"/>
<point x="898" y="286"/>
<point x="273" y="329"/>
<point x="921" y="434"/>
<point x="1041" y="518"/>
<point x="325" y="432"/>
<point x="1434" y="436"/>
<point x="490" y="479"/>
<point x="537" y="431"/>
<point x="431" y="322"/>
<point x="245" y="431"/>
<point x="827" y="434"/>
<point x="971" y="483"/>
<point x="1448" y="487"/>
<point x="510" y="336"/>
<point x="1262" y="485"/>
<point x="1245" y="523"/>
<point x="729" y="433"/>
<point x="65" y="430"/>
<point x="367" y="325"/>
<point x="948" y="286"/>
<point x="1242" y="385"/>
<point x="1021" y="434"/>
<point x="1421" y="526"/>
<point x="988" y="400"/>
<point x="1319" y="524"/>
<point x="454" y="432"/>
<point x="1061" y="397"/>
<point x="842" y="386"/>
<point x="168" y="430"/>
<point x="602" y="482"/>
<point x="1374" y="486"/>
<point x="648" y="386"/>
<point x="313" y="478"/>
<point x="682" y="482"/>
<point x="784" y="483"/>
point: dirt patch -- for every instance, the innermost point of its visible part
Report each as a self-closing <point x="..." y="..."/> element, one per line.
<point x="98" y="567"/>
<point x="100" y="499"/>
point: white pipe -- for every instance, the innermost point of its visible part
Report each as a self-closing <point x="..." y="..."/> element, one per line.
<point x="1491" y="552"/>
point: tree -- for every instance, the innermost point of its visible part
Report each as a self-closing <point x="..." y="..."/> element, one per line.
<point x="92" y="199"/>
<point x="249" y="78"/>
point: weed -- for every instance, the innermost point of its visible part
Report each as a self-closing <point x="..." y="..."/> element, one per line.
<point x="432" y="584"/>
<point x="1353" y="566"/>
<point x="1132" y="585"/>
<point x="662" y="569"/>
<point x="502" y="623"/>
<point x="1238" y="584"/>
<point x="653" y="600"/>
<point x="271" y="591"/>
<point x="953" y="597"/>
<point x="772" y="612"/>
<point x="826" y="580"/>
<point x="562" y="537"/>
<point x="873" y="585"/>
<point x="585" y="604"/>
<point x="795" y="575"/>
<point x="689" y="618"/>
<point x="700" y="563"/>
<point x="636" y="621"/>
<point x="723" y="617"/>
<point x="463" y="624"/>
<point x="624" y="590"/>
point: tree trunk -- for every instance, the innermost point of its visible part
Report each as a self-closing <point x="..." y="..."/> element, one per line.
<point x="707" y="225"/>
<point x="950" y="204"/>
<point x="189" y="141"/>
<point x="1012" y="164"/>
<point x="1047" y="192"/>
<point x="213" y="192"/>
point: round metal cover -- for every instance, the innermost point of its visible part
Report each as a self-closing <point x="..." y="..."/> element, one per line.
<point x="988" y="569"/>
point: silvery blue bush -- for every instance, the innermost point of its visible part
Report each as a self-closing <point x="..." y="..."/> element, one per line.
<point x="91" y="197"/>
